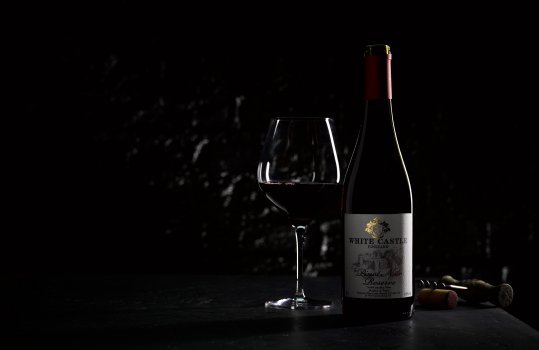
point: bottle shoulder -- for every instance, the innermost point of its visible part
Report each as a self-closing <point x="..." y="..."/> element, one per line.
<point x="377" y="184"/>
<point x="376" y="177"/>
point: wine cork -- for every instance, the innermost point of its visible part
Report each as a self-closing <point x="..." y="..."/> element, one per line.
<point x="478" y="291"/>
<point x="438" y="298"/>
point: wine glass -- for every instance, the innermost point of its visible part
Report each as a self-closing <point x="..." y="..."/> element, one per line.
<point x="300" y="173"/>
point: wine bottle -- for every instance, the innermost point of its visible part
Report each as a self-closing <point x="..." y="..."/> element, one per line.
<point x="377" y="208"/>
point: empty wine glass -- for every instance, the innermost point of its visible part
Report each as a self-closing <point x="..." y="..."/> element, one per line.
<point x="300" y="172"/>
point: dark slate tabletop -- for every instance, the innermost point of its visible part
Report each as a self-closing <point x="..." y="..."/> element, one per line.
<point x="226" y="312"/>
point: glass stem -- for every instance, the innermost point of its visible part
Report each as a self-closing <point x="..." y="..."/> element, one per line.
<point x="300" y="238"/>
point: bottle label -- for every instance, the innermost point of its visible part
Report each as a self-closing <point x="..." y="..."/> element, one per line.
<point x="378" y="256"/>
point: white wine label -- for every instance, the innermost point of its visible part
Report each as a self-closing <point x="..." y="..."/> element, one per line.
<point x="378" y="256"/>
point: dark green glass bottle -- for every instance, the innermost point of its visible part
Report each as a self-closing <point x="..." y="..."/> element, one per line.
<point x="377" y="208"/>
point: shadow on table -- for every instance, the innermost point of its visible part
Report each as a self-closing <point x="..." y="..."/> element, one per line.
<point x="460" y="304"/>
<point x="184" y="332"/>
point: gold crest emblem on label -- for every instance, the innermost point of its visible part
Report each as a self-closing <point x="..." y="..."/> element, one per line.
<point x="376" y="228"/>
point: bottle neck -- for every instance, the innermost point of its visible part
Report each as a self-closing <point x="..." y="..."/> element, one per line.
<point x="378" y="93"/>
<point x="378" y="118"/>
<point x="378" y="77"/>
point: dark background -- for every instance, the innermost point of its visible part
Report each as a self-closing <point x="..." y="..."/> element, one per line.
<point x="138" y="130"/>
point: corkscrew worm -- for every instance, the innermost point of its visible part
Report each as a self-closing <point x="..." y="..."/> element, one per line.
<point x="437" y="285"/>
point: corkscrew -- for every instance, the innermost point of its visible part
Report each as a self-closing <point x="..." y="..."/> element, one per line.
<point x="438" y="285"/>
<point x="473" y="290"/>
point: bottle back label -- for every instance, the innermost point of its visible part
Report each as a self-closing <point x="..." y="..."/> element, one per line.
<point x="378" y="256"/>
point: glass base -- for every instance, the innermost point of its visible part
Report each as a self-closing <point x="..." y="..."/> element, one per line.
<point x="299" y="304"/>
